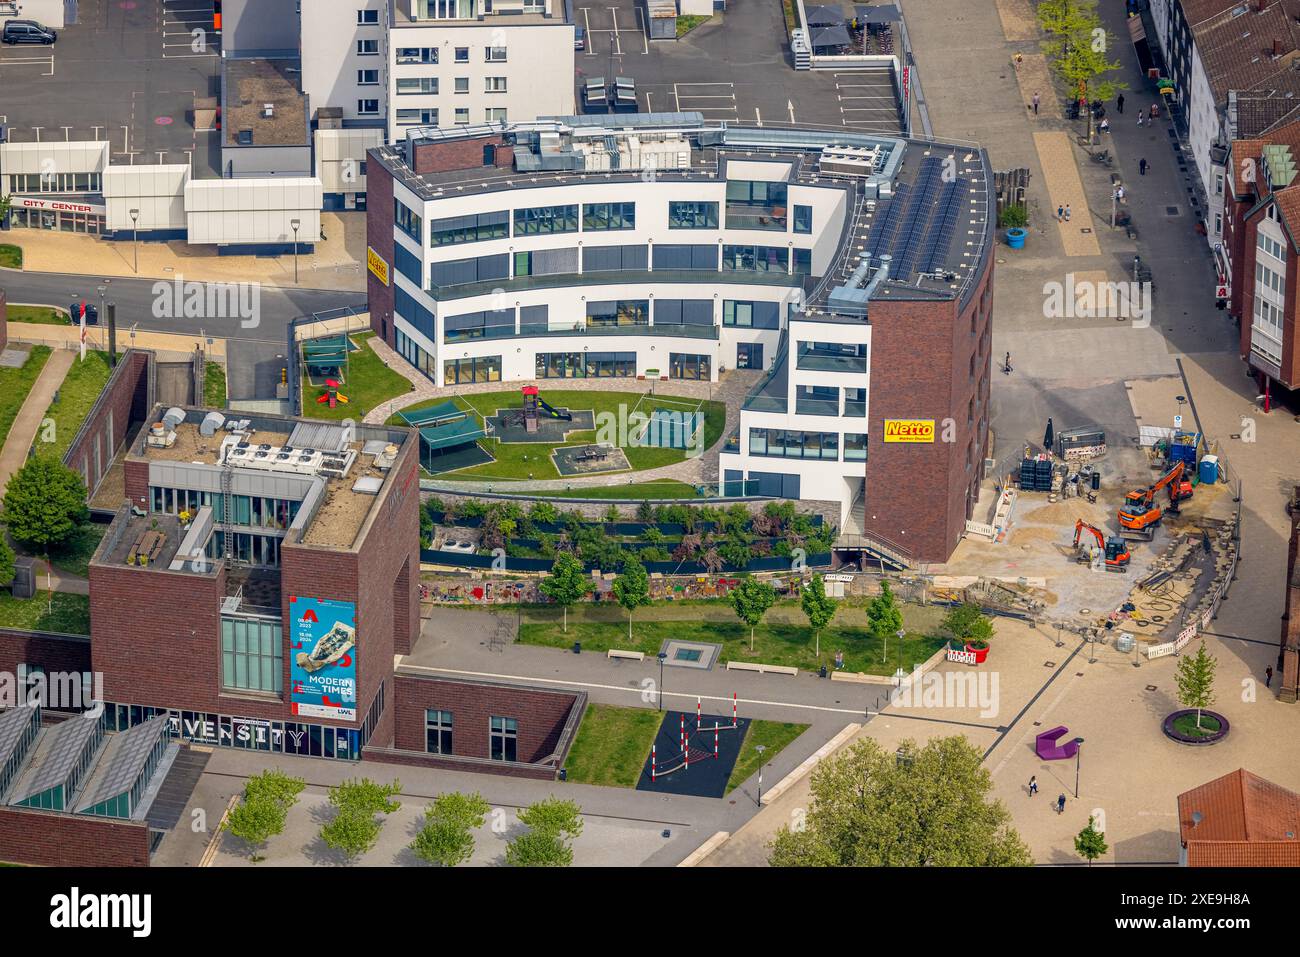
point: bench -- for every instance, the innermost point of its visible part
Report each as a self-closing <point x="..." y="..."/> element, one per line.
<point x="630" y="655"/>
<point x="761" y="669"/>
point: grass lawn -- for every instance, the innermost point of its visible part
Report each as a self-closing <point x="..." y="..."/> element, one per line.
<point x="1186" y="726"/>
<point x="15" y="384"/>
<point x="214" y="386"/>
<point x="74" y="558"/>
<point x="774" y="736"/>
<point x="11" y="257"/>
<point x="70" y="614"/>
<point x="524" y="460"/>
<point x="39" y="314"/>
<point x="612" y="745"/>
<point x="80" y="390"/>
<point x="783" y="638"/>
<point x="688" y="23"/>
<point x="638" y="491"/>
<point x="369" y="384"/>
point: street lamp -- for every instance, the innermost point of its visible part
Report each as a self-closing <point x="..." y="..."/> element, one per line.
<point x="135" y="238"/>
<point x="1078" y="757"/>
<point x="663" y="656"/>
<point x="295" y="224"/>
<point x="760" y="748"/>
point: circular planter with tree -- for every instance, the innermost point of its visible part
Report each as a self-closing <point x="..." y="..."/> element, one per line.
<point x="970" y="626"/>
<point x="1195" y="723"/>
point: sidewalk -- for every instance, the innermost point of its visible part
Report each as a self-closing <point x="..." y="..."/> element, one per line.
<point x="22" y="435"/>
<point x="338" y="261"/>
<point x="60" y="337"/>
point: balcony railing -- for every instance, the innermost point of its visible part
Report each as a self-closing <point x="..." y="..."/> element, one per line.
<point x="817" y="406"/>
<point x="611" y="277"/>
<point x="855" y="408"/>
<point x="816" y="362"/>
<point x="582" y="329"/>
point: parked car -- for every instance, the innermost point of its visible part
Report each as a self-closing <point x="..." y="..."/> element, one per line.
<point x="580" y="38"/>
<point x="92" y="314"/>
<point x="28" y="31"/>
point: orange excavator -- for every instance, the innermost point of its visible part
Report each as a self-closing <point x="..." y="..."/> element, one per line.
<point x="1139" y="515"/>
<point x="1114" y="549"/>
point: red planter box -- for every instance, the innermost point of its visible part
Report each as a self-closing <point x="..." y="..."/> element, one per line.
<point x="979" y="653"/>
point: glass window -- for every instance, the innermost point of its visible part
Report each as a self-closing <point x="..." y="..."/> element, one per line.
<point x="756" y="205"/>
<point x="251" y="654"/>
<point x="600" y="216"/>
<point x="855" y="447"/>
<point x="461" y="84"/>
<point x="686" y="366"/>
<point x="476" y="227"/>
<point x="546" y="219"/>
<point x="754" y="259"/>
<point x="758" y="315"/>
<point x="467" y="371"/>
<point x="692" y="215"/>
<point x="494" y="84"/>
<point x="420" y="84"/>
<point x="504" y="733"/>
<point x="408" y="221"/>
<point x="462" y="54"/>
<point x="437" y="732"/>
<point x="803" y="219"/>
<point x="416" y="54"/>
<point x="623" y="312"/>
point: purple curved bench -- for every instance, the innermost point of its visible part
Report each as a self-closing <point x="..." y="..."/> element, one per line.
<point x="1047" y="748"/>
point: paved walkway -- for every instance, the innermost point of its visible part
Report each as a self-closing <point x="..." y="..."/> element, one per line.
<point x="337" y="262"/>
<point x="23" y="433"/>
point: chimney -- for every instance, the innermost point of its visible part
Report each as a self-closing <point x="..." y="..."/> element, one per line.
<point x="1277" y="48"/>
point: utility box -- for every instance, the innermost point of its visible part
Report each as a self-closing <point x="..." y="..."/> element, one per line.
<point x="24" y="584"/>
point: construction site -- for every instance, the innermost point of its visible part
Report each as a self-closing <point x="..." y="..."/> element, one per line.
<point x="1131" y="544"/>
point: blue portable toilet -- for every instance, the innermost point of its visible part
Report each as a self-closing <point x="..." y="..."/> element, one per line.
<point x="1209" y="470"/>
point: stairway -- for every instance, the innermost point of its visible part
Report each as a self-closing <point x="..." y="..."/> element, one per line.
<point x="801" y="49"/>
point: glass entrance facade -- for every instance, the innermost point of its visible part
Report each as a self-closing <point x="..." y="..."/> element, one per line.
<point x="63" y="221"/>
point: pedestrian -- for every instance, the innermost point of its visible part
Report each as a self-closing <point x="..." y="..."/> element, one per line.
<point x="1142" y="166"/>
<point x="839" y="660"/>
<point x="1060" y="804"/>
<point x="1119" y="104"/>
<point x="1155" y="111"/>
<point x="1119" y="193"/>
<point x="1006" y="365"/>
<point x="1060" y="212"/>
<point x="1268" y="676"/>
<point x="1033" y="785"/>
<point x="1019" y="58"/>
<point x="1036" y="101"/>
<point x="1104" y="126"/>
<point x="1067" y="212"/>
<point x="1141" y="118"/>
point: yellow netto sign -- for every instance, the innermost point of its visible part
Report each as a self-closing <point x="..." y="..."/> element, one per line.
<point x="377" y="265"/>
<point x="909" y="430"/>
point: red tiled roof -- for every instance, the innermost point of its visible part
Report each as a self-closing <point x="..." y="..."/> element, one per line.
<point x="1245" y="821"/>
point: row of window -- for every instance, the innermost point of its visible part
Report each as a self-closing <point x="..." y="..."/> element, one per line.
<point x="409" y="55"/>
<point x="467" y="371"/>
<point x="429" y="116"/>
<point x="429" y="84"/>
<point x="596" y="217"/>
<point x="586" y="365"/>
<point x="255" y="510"/>
<point x="52" y="182"/>
<point x="786" y="443"/>
<point x="252" y="654"/>
<point x="503" y="735"/>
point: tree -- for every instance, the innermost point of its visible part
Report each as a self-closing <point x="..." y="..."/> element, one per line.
<point x="1077" y="48"/>
<point x="262" y="812"/>
<point x="632" y="589"/>
<point x="751" y="599"/>
<point x="446" y="837"/>
<point x="45" y="504"/>
<point x="354" y="828"/>
<point x="1090" y="843"/>
<point x="538" y="849"/>
<point x="1195" y="678"/>
<point x="551" y="824"/>
<point x="967" y="623"/>
<point x="820" y="609"/>
<point x="870" y="809"/>
<point x="884" y="617"/>
<point x="6" y="561"/>
<point x="566" y="584"/>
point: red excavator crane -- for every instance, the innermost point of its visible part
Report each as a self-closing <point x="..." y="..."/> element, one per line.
<point x="1114" y="549"/>
<point x="1140" y="513"/>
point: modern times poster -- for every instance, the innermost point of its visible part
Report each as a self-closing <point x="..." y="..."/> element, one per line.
<point x="323" y="649"/>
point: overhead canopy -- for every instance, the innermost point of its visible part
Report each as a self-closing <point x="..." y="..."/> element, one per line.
<point x="825" y="16"/>
<point x="837" y="36"/>
<point x="444" y="426"/>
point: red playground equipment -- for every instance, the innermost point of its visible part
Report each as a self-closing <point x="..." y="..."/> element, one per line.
<point x="682" y="760"/>
<point x="331" y="394"/>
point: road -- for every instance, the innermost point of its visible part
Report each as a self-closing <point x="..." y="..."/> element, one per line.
<point x="135" y="298"/>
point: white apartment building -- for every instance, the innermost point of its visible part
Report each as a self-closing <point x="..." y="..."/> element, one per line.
<point x="415" y="63"/>
<point x="661" y="246"/>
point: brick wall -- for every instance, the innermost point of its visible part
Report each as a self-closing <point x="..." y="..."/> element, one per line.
<point x="124" y="401"/>
<point x="1243" y="295"/>
<point x="541" y="715"/>
<point x="379" y="237"/>
<point x="919" y="495"/>
<point x="457" y="155"/>
<point x="51" y="652"/>
<point x="49" y="839"/>
<point x="1288" y="659"/>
